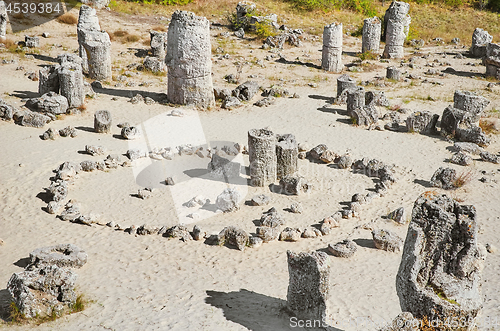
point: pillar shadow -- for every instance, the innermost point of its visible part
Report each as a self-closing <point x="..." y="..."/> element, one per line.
<point x="158" y="97"/>
<point x="452" y="71"/>
<point x="300" y="63"/>
<point x="5" y="299"/>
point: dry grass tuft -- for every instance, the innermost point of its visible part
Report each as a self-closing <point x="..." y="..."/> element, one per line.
<point x="132" y="38"/>
<point x="120" y="33"/>
<point x="488" y="126"/>
<point x="463" y="178"/>
<point x="161" y="28"/>
<point x="68" y="18"/>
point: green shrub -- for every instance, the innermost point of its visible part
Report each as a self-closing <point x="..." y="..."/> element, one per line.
<point x="264" y="30"/>
<point x="364" y="7"/>
<point x="494" y="5"/>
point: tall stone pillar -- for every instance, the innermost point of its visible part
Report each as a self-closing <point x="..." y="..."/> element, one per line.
<point x="372" y="30"/>
<point x="397" y="28"/>
<point x="332" y="48"/>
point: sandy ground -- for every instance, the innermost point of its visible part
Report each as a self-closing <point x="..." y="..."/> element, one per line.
<point x="153" y="283"/>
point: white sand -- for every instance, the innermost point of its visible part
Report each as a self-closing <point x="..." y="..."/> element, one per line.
<point x="153" y="283"/>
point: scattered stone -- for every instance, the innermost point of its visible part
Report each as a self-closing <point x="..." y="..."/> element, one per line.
<point x="221" y="93"/>
<point x="309" y="284"/>
<point x="63" y="255"/>
<point x="43" y="290"/>
<point x="198" y="234"/>
<point x="146" y="229"/>
<point x="145" y="193"/>
<point x="317" y="151"/>
<point x="34" y="120"/>
<point x="88" y="165"/>
<point x="221" y="168"/>
<point x="473" y="134"/>
<point x="393" y="73"/>
<point x="197" y="201"/>
<point x="345" y="161"/>
<point x="480" y="38"/>
<point x="467" y="148"/>
<point x="387" y="241"/>
<point x="440" y="270"/>
<point x="233" y="236"/>
<point x="471" y="103"/>
<point x="267" y="233"/>
<point x="345" y="248"/>
<point x="461" y="158"/>
<point x="48" y="80"/>
<point x="294" y="185"/>
<point x="376" y="98"/>
<point x="102" y="121"/>
<point x="158" y="43"/>
<point x="240" y="33"/>
<point x="49" y="134"/>
<point x="94" y="150"/>
<point x="231" y="102"/>
<point x="50" y="102"/>
<point x="154" y="64"/>
<point x="422" y="122"/>
<point x="311" y="232"/>
<point x="265" y="102"/>
<point x="68" y="132"/>
<point x="364" y="115"/>
<point x="296" y="208"/>
<point x="178" y="231"/>
<point x="228" y="200"/>
<point x="31" y="42"/>
<point x="490" y="248"/>
<point x="290" y="234"/>
<point x="444" y="178"/>
<point x="328" y="156"/>
<point x="255" y="242"/>
<point x="489" y="157"/>
<point x="246" y="91"/>
<point x="398" y="215"/>
<point x="169" y="181"/>
<point x="130" y="133"/>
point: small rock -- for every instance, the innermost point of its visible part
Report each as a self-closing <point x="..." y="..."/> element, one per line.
<point x="228" y="200"/>
<point x="461" y="158"/>
<point x="296" y="208"/>
<point x="198" y="234"/>
<point x="311" y="232"/>
<point x="49" y="134"/>
<point x="130" y="132"/>
<point x="290" y="234"/>
<point x="398" y="215"/>
<point x="345" y="248"/>
<point x="255" y="242"/>
<point x="145" y="193"/>
<point x="169" y="181"/>
<point x="260" y="200"/>
<point x="490" y="248"/>
<point x="94" y="150"/>
<point x="387" y="240"/>
<point x="68" y="132"/>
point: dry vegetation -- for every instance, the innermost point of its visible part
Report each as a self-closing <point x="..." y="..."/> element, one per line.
<point x="68" y="18"/>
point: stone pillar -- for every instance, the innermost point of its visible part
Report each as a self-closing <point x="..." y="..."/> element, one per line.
<point x="308" y="287"/>
<point x="87" y="21"/>
<point x="158" y="44"/>
<point x="492" y="60"/>
<point x="262" y="157"/>
<point x="332" y="48"/>
<point x="71" y="83"/>
<point x="372" y="30"/>
<point x="355" y="98"/>
<point x="471" y="103"/>
<point x="48" y="80"/>
<point x="3" y="21"/>
<point x="344" y="82"/>
<point x="97" y="47"/>
<point x="440" y="270"/>
<point x="102" y="121"/>
<point x="69" y="57"/>
<point x="393" y="73"/>
<point x="189" y="60"/>
<point x="287" y="155"/>
<point x="397" y="28"/>
<point x="480" y="38"/>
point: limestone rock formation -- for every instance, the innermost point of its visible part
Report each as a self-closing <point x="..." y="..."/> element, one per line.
<point x="372" y="30"/>
<point x="262" y="157"/>
<point x="63" y="255"/>
<point x="233" y="236"/>
<point x="345" y="248"/>
<point x="228" y="200"/>
<point x="286" y="155"/>
<point x="332" y="48"/>
<point x="102" y="121"/>
<point x="480" y="38"/>
<point x="397" y="23"/>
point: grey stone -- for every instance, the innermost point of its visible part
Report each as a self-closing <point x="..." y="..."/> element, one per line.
<point x="53" y="207"/>
<point x="62" y="255"/>
<point x="6" y="111"/>
<point x="440" y="270"/>
<point x="68" y="131"/>
<point x="311" y="232"/>
<point x="372" y="30"/>
<point x="154" y="64"/>
<point x="461" y="158"/>
<point x="231" y="102"/>
<point x="94" y="150"/>
<point x="34" y="120"/>
<point x="146" y="229"/>
<point x="169" y="181"/>
<point x="332" y="48"/>
<point x="345" y="161"/>
<point x="198" y="234"/>
<point x="471" y="103"/>
<point x="48" y="80"/>
<point x="88" y="166"/>
<point x="97" y="47"/>
<point x="262" y="157"/>
<point x="228" y="200"/>
<point x="272" y="218"/>
<point x="423" y="122"/>
<point x="130" y="132"/>
<point x="480" y="38"/>
<point x="32" y="41"/>
<point x="393" y="73"/>
<point x="364" y="116"/>
<point x="58" y="190"/>
<point x="50" y="102"/>
<point x="71" y="83"/>
<point x="134" y="154"/>
<point x="267" y="233"/>
<point x="376" y="98"/>
<point x="71" y="212"/>
<point x="260" y="200"/>
<point x="345" y="248"/>
<point x="489" y="157"/>
<point x="387" y="240"/>
<point x="265" y="102"/>
<point x="233" y="236"/>
<point x="317" y="151"/>
<point x="102" y="121"/>
<point x="222" y="93"/>
<point x="40" y="291"/>
<point x="158" y="44"/>
<point x="240" y="33"/>
<point x="308" y="287"/>
<point x="355" y="98"/>
<point x="444" y="178"/>
<point x="294" y="185"/>
<point x="145" y="193"/>
<point x="330" y="222"/>
<point x="49" y="134"/>
<point x="397" y="23"/>
<point x="296" y="208"/>
<point x="398" y="215"/>
<point x="451" y="119"/>
<point x="221" y="168"/>
<point x="290" y="234"/>
<point x="246" y="91"/>
<point x="68" y="170"/>
<point x="473" y="134"/>
<point x="189" y="60"/>
<point x="255" y="242"/>
<point x="178" y="231"/>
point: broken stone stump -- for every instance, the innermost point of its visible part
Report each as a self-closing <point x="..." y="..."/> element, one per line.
<point x="471" y="103"/>
<point x="397" y="23"/>
<point x="345" y="248"/>
<point x="365" y="115"/>
<point x="262" y="156"/>
<point x="43" y="290"/>
<point x="228" y="200"/>
<point x="158" y="44"/>
<point x="444" y="178"/>
<point x="286" y="155"/>
<point x="153" y="64"/>
<point x="422" y="122"/>
<point x="372" y="30"/>
<point x="492" y="60"/>
<point x="102" y="121"/>
<point x="63" y="255"/>
<point x="221" y="168"/>
<point x="344" y="82"/>
<point x="332" y="48"/>
<point x="387" y="240"/>
<point x="440" y="270"/>
<point x="246" y="91"/>
<point x="48" y="80"/>
<point x="71" y="84"/>
<point x="233" y="236"/>
<point x="31" y="42"/>
<point x="50" y="102"/>
<point x="355" y="98"/>
<point x="97" y="47"/>
<point x="294" y="185"/>
<point x="393" y="73"/>
<point x="376" y="98"/>
<point x="189" y="60"/>
<point x="480" y="38"/>
<point x="87" y="21"/>
<point x="308" y="287"/>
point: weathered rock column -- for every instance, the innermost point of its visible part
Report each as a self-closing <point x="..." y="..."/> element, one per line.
<point x="471" y="103"/>
<point x="393" y="73"/>
<point x="480" y="39"/>
<point x="87" y="21"/>
<point x="189" y="60"/>
<point x="397" y="28"/>
<point x="372" y="30"/>
<point x="308" y="287"/>
<point x="102" y="121"/>
<point x="3" y="21"/>
<point x="71" y="83"/>
<point x="355" y="98"/>
<point x="158" y="44"/>
<point x="344" y="82"/>
<point x="98" y="50"/>
<point x="440" y="270"/>
<point x="332" y="48"/>
<point x="492" y="60"/>
<point x="287" y="155"/>
<point x="48" y="80"/>
<point x="262" y="156"/>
